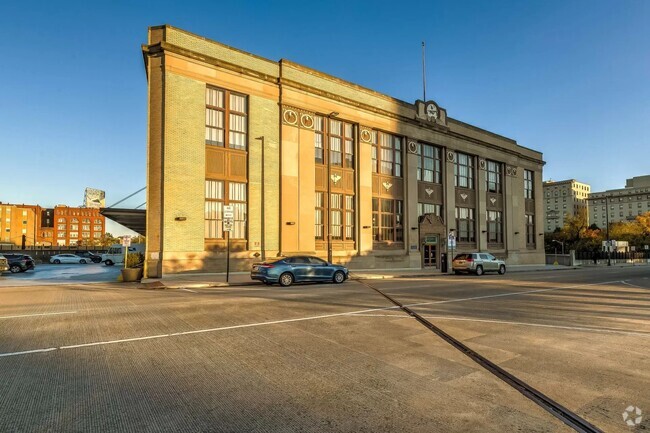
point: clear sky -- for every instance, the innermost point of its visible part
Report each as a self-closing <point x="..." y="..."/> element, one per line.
<point x="567" y="78"/>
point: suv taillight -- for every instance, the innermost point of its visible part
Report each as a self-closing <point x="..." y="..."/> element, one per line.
<point x="469" y="259"/>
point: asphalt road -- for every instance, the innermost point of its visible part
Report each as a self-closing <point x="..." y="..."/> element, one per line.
<point x="105" y="357"/>
<point x="47" y="273"/>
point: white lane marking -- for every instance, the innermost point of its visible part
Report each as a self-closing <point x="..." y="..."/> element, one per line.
<point x="198" y="331"/>
<point x="125" y="340"/>
<point x="633" y="285"/>
<point x="299" y="319"/>
<point x="507" y="322"/>
<point x="188" y="290"/>
<point x="40" y="314"/>
<point x="25" y="352"/>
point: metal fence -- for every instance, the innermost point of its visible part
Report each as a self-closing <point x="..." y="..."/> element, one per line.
<point x="600" y="255"/>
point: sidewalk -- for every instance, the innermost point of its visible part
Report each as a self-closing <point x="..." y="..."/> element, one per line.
<point x="190" y="281"/>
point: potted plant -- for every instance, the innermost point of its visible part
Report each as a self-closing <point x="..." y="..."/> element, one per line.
<point x="133" y="269"/>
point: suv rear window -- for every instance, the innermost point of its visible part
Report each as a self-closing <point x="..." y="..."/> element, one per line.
<point x="462" y="256"/>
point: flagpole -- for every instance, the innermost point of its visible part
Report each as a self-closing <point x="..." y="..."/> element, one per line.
<point x="424" y="78"/>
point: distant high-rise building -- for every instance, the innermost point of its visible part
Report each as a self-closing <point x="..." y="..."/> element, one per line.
<point x="562" y="199"/>
<point x="616" y="205"/>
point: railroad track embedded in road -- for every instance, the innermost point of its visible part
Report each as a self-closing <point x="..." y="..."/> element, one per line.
<point x="565" y="415"/>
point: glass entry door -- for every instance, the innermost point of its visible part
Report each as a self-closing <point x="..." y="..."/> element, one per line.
<point x="429" y="252"/>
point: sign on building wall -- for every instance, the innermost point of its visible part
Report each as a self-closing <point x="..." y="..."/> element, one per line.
<point x="94" y="198"/>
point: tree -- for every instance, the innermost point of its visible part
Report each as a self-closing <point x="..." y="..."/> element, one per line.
<point x="575" y="226"/>
<point x="644" y="222"/>
<point x="107" y="240"/>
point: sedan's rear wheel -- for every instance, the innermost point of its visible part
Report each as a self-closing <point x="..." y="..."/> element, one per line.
<point x="109" y="263"/>
<point x="286" y="279"/>
<point x="502" y="269"/>
<point x="479" y="270"/>
<point x="339" y="277"/>
<point x="57" y="261"/>
<point x="15" y="269"/>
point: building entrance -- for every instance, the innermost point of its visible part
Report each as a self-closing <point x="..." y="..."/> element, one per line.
<point x="429" y="252"/>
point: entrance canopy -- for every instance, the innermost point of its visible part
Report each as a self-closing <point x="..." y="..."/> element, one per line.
<point x="135" y="219"/>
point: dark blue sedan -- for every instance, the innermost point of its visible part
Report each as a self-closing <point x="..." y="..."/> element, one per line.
<point x="288" y="270"/>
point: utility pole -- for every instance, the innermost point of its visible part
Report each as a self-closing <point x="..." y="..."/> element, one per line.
<point x="609" y="246"/>
<point x="262" y="246"/>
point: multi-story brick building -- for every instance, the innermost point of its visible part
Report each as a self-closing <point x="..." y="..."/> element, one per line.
<point x="562" y="199"/>
<point x="58" y="226"/>
<point x="616" y="205"/>
<point x="17" y="221"/>
<point x="76" y="225"/>
<point x="313" y="164"/>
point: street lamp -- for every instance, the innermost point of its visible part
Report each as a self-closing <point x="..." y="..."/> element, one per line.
<point x="559" y="242"/>
<point x="262" y="246"/>
<point x="329" y="180"/>
<point x="609" y="246"/>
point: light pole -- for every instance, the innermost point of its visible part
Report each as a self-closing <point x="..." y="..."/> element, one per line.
<point x="262" y="246"/>
<point x="608" y="244"/>
<point x="329" y="180"/>
<point x="561" y="243"/>
<point x="451" y="240"/>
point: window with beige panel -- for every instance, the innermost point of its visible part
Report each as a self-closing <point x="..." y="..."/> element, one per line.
<point x="226" y="119"/>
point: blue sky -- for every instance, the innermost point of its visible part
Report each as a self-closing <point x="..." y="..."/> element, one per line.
<point x="567" y="78"/>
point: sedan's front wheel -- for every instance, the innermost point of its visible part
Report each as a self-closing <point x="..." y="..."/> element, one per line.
<point x="339" y="277"/>
<point x="15" y="269"/>
<point x="286" y="279"/>
<point x="82" y="261"/>
<point x="57" y="261"/>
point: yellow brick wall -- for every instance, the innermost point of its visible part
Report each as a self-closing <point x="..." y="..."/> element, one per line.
<point x="219" y="51"/>
<point x="184" y="164"/>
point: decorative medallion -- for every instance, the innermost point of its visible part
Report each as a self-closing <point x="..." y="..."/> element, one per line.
<point x="429" y="191"/>
<point x="387" y="185"/>
<point x="432" y="112"/>
<point x="412" y="146"/>
<point x="450" y="156"/>
<point x="306" y="121"/>
<point x="463" y="196"/>
<point x="481" y="163"/>
<point x="514" y="171"/>
<point x="493" y="200"/>
<point x="290" y="117"/>
<point x="366" y="136"/>
<point x="509" y="171"/>
<point x="335" y="178"/>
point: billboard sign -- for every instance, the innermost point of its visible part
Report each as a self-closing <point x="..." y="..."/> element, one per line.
<point x="94" y="198"/>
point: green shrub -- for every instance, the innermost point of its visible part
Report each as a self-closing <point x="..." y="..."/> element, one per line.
<point x="134" y="260"/>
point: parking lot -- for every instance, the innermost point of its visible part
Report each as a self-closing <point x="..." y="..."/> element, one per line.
<point x="47" y="273"/>
<point x="84" y="357"/>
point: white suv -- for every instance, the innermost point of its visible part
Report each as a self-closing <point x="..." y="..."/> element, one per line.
<point x="478" y="263"/>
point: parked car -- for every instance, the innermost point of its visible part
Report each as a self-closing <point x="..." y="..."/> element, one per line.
<point x="68" y="258"/>
<point x="95" y="258"/>
<point x="115" y="253"/>
<point x="19" y="262"/>
<point x="288" y="270"/>
<point x="477" y="263"/>
<point x="4" y="264"/>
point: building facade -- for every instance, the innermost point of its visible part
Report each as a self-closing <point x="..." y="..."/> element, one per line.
<point x="58" y="226"/>
<point x="16" y="222"/>
<point x="563" y="199"/>
<point x="620" y="205"/>
<point x="71" y="226"/>
<point x="308" y="163"/>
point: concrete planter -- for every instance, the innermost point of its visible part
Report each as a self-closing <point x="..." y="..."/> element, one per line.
<point x="130" y="275"/>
